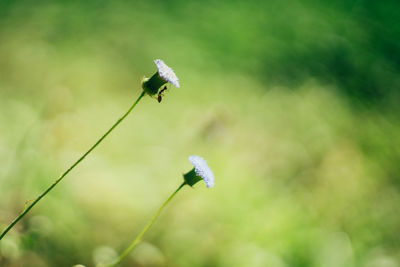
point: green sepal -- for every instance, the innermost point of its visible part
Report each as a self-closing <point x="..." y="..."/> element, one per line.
<point x="191" y="178"/>
<point x="152" y="85"/>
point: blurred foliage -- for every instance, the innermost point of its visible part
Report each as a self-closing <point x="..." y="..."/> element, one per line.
<point x="295" y="105"/>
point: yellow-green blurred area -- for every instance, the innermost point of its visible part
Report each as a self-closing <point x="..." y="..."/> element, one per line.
<point x="295" y="106"/>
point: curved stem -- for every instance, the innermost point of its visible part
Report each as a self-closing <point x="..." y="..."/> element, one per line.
<point x="144" y="230"/>
<point x="27" y="209"/>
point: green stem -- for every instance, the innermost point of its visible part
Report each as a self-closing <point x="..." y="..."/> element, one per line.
<point x="144" y="230"/>
<point x="27" y="209"/>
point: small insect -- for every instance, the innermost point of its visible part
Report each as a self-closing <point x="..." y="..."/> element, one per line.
<point x="161" y="94"/>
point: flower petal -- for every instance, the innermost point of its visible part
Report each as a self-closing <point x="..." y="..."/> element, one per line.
<point x="202" y="170"/>
<point x="166" y="73"/>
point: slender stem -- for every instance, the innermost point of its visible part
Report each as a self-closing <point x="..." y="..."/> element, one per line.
<point x="144" y="230"/>
<point x="27" y="209"/>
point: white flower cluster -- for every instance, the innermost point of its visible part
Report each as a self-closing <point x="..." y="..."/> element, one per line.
<point x="166" y="73"/>
<point x="201" y="168"/>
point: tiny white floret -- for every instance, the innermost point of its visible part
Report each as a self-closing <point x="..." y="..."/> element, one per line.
<point x="201" y="168"/>
<point x="166" y="73"/>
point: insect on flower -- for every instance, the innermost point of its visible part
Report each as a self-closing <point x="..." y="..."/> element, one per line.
<point x="161" y="94"/>
<point x="163" y="75"/>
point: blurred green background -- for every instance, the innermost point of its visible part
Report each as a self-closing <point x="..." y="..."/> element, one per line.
<point x="294" y="104"/>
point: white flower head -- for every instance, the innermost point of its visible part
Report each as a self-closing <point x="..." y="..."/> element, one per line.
<point x="166" y="73"/>
<point x="201" y="168"/>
